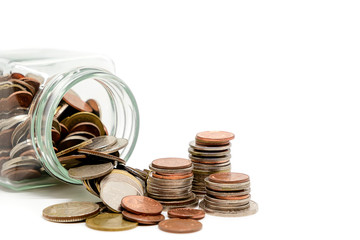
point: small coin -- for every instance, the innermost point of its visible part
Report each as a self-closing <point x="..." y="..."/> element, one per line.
<point x="226" y="186"/>
<point x="69" y="142"/>
<point x="86" y="127"/>
<point x="171" y="171"/>
<point x="196" y="214"/>
<point x="250" y="210"/>
<point x="73" y="148"/>
<point x="143" y="219"/>
<point x="229" y="177"/>
<point x="215" y="136"/>
<point x="210" y="160"/>
<point x="80" y="117"/>
<point x="141" y="205"/>
<point x="102" y="156"/>
<point x="110" y="222"/>
<point x="178" y="225"/>
<point x="70" y="211"/>
<point x="101" y="142"/>
<point x="76" y="102"/>
<point x="95" y="106"/>
<point x="90" y="171"/>
<point x="172" y="177"/>
<point x="120" y="144"/>
<point x="5" y="138"/>
<point x="21" y="173"/>
<point x="171" y="163"/>
<point x="196" y="153"/>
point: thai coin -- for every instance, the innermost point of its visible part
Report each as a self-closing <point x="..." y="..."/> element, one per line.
<point x="90" y="171"/>
<point x="71" y="211"/>
<point x="110" y="222"/>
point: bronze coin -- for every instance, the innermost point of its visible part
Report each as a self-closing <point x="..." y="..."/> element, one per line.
<point x="143" y="219"/>
<point x="141" y="205"/>
<point x="70" y="142"/>
<point x="5" y="138"/>
<point x="64" y="131"/>
<point x="28" y="87"/>
<point x="71" y="158"/>
<point x="215" y="136"/>
<point x="86" y="127"/>
<point x="228" y="177"/>
<point x="30" y="152"/>
<point x="178" y="225"/>
<point x="18" y="99"/>
<point x="18" y="174"/>
<point x="102" y="156"/>
<point x="95" y="106"/>
<point x="192" y="213"/>
<point x="76" y="102"/>
<point x="172" y="177"/>
<point x="16" y="75"/>
<point x="82" y="134"/>
<point x="33" y="82"/>
<point x="171" y="163"/>
<point x="55" y="135"/>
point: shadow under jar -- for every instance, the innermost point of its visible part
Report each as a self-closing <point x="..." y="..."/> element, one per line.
<point x="38" y="90"/>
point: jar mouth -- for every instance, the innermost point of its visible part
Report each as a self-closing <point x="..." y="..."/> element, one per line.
<point x="123" y="109"/>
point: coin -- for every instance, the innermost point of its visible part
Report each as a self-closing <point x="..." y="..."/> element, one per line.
<point x="70" y="211"/>
<point x="214" y="137"/>
<point x="171" y="163"/>
<point x="75" y="101"/>
<point x="210" y="160"/>
<point x="143" y="219"/>
<point x="120" y="144"/>
<point x="79" y="117"/>
<point x="95" y="106"/>
<point x="196" y="214"/>
<point x="178" y="225"/>
<point x="90" y="171"/>
<point x="225" y="186"/>
<point x="172" y="177"/>
<point x="141" y="205"/>
<point x="21" y="173"/>
<point x="109" y="222"/>
<point x="69" y="142"/>
<point x="86" y="127"/>
<point x="196" y="153"/>
<point x="73" y="148"/>
<point x="229" y="177"/>
<point x="101" y="142"/>
<point x="250" y="210"/>
<point x="102" y="156"/>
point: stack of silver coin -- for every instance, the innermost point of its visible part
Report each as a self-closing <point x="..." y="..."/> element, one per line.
<point x="228" y="194"/>
<point x="170" y="182"/>
<point x="208" y="159"/>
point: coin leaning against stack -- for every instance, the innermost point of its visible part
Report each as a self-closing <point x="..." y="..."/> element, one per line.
<point x="210" y="153"/>
<point x="170" y="182"/>
<point x="228" y="194"/>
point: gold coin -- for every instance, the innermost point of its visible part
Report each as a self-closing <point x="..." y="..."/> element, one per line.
<point x="76" y="118"/>
<point x="110" y="222"/>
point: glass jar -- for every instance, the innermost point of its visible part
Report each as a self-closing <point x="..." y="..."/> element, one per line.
<point x="27" y="156"/>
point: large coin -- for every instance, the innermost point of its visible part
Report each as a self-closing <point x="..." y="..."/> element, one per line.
<point x="171" y="163"/>
<point x="214" y="137"/>
<point x="196" y="214"/>
<point x="70" y="211"/>
<point x="229" y="177"/>
<point x="141" y="205"/>
<point x="143" y="219"/>
<point x="90" y="171"/>
<point x="101" y="142"/>
<point x="177" y="225"/>
<point x="80" y="117"/>
<point x="110" y="222"/>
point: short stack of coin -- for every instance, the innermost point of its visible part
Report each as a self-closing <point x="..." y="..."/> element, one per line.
<point x="170" y="182"/>
<point x="210" y="153"/>
<point x="17" y="159"/>
<point x="228" y="194"/>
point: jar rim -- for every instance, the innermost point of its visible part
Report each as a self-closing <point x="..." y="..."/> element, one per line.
<point x="50" y="96"/>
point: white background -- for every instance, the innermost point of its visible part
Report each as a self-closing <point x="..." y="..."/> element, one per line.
<point x="282" y="75"/>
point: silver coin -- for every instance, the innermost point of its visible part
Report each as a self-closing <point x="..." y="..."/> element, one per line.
<point x="119" y="144"/>
<point x="228" y="194"/>
<point x="226" y="186"/>
<point x="225" y="207"/>
<point x="210" y="160"/>
<point x="90" y="171"/>
<point x="20" y="148"/>
<point x="20" y="132"/>
<point x="196" y="153"/>
<point x="170" y="197"/>
<point x="226" y="202"/>
<point x="101" y="142"/>
<point x="208" y="148"/>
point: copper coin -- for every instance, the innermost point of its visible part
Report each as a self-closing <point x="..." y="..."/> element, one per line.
<point x="228" y="177"/>
<point x="86" y="127"/>
<point x="178" y="225"/>
<point x="19" y="99"/>
<point x="28" y="87"/>
<point x="172" y="177"/>
<point x="215" y="136"/>
<point x="64" y="131"/>
<point x="102" y="156"/>
<point x="18" y="174"/>
<point x="5" y="138"/>
<point x="33" y="82"/>
<point x="76" y="102"/>
<point x="55" y="135"/>
<point x="143" y="219"/>
<point x="16" y="75"/>
<point x="233" y="197"/>
<point x="141" y="205"/>
<point x="70" y="142"/>
<point x="171" y="163"/>
<point x="94" y="105"/>
<point x="192" y="213"/>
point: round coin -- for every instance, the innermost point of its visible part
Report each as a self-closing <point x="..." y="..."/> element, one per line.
<point x="141" y="205"/>
<point x="75" y="101"/>
<point x="110" y="222"/>
<point x="91" y="171"/>
<point x="171" y="163"/>
<point x="70" y="211"/>
<point x="178" y="225"/>
<point x="229" y="177"/>
<point x="215" y="136"/>
<point x="192" y="213"/>
<point x="101" y="142"/>
<point x="209" y="148"/>
<point x="143" y="219"/>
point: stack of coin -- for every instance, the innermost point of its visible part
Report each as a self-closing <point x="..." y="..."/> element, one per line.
<point x="170" y="182"/>
<point x="142" y="210"/>
<point x="17" y="159"/>
<point x="228" y="194"/>
<point x="210" y="153"/>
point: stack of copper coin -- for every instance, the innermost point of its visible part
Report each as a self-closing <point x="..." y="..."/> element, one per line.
<point x="228" y="193"/>
<point x="170" y="182"/>
<point x="210" y="153"/>
<point x="17" y="159"/>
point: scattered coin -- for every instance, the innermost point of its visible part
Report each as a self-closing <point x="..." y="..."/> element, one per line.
<point x="143" y="219"/>
<point x="178" y="225"/>
<point x="141" y="205"/>
<point x="70" y="211"/>
<point x="192" y="213"/>
<point x="110" y="222"/>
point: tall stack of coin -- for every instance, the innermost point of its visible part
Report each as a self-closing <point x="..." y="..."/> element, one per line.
<point x="228" y="194"/>
<point x="170" y="182"/>
<point x="17" y="159"/>
<point x="210" y="153"/>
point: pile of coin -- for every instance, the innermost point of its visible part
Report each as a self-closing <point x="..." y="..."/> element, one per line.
<point x="170" y="182"/>
<point x="17" y="159"/>
<point x="210" y="153"/>
<point x="143" y="210"/>
<point x="228" y="194"/>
